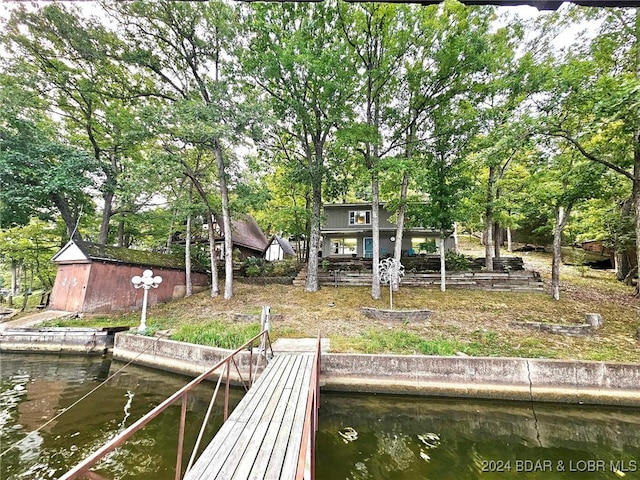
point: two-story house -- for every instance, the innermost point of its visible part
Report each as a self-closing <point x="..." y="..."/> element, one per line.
<point x="347" y="231"/>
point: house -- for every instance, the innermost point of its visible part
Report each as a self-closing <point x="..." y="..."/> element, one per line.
<point x="347" y="231"/>
<point x="247" y="237"/>
<point x="277" y="249"/>
<point x="95" y="278"/>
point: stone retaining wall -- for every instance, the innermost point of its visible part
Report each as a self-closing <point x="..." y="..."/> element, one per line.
<point x="396" y="315"/>
<point x="520" y="281"/>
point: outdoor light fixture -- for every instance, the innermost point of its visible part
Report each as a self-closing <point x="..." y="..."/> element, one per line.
<point x="393" y="239"/>
<point x="146" y="281"/>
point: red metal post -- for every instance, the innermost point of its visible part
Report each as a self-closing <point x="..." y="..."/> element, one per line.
<point x="183" y="420"/>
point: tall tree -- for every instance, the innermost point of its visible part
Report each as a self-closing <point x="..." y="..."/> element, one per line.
<point x="297" y="58"/>
<point x="592" y="99"/>
<point x="66" y="56"/>
<point x="187" y="51"/>
<point x="40" y="174"/>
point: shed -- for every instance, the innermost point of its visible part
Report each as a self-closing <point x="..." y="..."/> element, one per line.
<point x="95" y="278"/>
<point x="277" y="249"/>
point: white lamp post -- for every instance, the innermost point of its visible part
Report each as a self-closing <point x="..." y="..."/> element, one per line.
<point x="146" y="281"/>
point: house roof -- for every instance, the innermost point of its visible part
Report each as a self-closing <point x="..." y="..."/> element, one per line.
<point x="76" y="251"/>
<point x="287" y="249"/>
<point x="245" y="232"/>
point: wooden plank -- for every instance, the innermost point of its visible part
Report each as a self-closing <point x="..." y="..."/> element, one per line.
<point x="263" y="412"/>
<point x="272" y="419"/>
<point x="266" y="430"/>
<point x="285" y="444"/>
<point x="263" y="457"/>
<point x="290" y="464"/>
<point x="223" y="441"/>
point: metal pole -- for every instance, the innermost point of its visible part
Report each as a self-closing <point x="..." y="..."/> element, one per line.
<point x="143" y="317"/>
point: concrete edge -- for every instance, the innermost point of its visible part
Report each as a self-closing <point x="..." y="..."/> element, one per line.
<point x="521" y="379"/>
<point x="87" y="341"/>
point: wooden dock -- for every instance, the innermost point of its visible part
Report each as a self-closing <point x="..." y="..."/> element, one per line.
<point x="262" y="437"/>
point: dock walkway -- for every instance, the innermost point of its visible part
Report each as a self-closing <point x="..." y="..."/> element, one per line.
<point x="262" y="437"/>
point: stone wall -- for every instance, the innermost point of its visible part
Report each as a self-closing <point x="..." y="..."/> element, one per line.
<point x="519" y="281"/>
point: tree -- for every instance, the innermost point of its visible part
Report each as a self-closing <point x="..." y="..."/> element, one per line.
<point x="65" y="59"/>
<point x="560" y="181"/>
<point x="445" y="173"/>
<point x="296" y="57"/>
<point x="186" y="52"/>
<point x="592" y="100"/>
<point x="39" y="173"/>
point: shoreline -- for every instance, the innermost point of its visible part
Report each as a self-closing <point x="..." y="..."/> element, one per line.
<point x="519" y="379"/>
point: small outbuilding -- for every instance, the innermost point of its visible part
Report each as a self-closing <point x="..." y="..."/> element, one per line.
<point x="278" y="249"/>
<point x="95" y="278"/>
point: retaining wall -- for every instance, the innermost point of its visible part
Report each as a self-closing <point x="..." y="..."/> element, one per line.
<point x="520" y="281"/>
<point x="58" y="340"/>
<point x="472" y="377"/>
<point x="178" y="357"/>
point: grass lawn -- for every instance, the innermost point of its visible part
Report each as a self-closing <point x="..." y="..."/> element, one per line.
<point x="475" y="323"/>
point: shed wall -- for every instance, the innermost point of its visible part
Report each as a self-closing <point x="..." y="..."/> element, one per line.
<point x="110" y="288"/>
<point x="69" y="289"/>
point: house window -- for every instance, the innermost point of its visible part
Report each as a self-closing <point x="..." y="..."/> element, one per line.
<point x="423" y="245"/>
<point x="360" y="217"/>
<point x="344" y="246"/>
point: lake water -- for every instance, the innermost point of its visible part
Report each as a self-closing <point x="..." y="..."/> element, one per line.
<point x="360" y="437"/>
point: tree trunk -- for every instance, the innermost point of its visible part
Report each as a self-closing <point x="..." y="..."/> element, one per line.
<point x="187" y="252"/>
<point x="456" y="241"/>
<point x="488" y="223"/>
<point x="15" y="277"/>
<point x="402" y="209"/>
<point x="443" y="265"/>
<point x="375" y="229"/>
<point x="509" y="241"/>
<point x="562" y="217"/>
<point x="213" y="256"/>
<point x="226" y="220"/>
<point x="311" y="284"/>
<point x="103" y="236"/>
<point x="70" y="220"/>
<point x="622" y="263"/>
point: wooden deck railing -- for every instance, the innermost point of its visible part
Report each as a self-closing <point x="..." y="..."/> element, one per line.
<point x="83" y="468"/>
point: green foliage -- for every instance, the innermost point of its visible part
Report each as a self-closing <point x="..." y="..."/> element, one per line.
<point x="456" y="262"/>
<point x="259" y="267"/>
<point x="400" y="341"/>
<point x="216" y="334"/>
<point x="255" y="267"/>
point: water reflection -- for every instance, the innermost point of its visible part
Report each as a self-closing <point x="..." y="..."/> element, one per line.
<point x="360" y="437"/>
<point x="36" y="388"/>
<point x="426" y="438"/>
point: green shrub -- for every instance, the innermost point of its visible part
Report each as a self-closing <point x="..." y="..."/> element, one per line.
<point x="456" y="262"/>
<point x="255" y="267"/>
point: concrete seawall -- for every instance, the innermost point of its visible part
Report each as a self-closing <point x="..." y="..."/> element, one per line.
<point x="58" y="340"/>
<point x="605" y="383"/>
